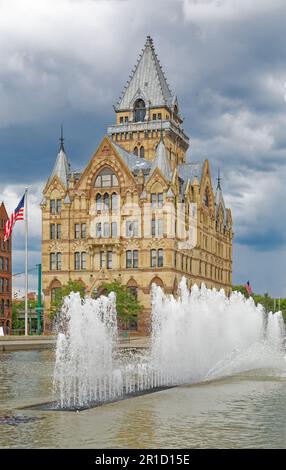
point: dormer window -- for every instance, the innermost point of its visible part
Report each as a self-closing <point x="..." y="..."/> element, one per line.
<point x="206" y="199"/>
<point x="106" y="179"/>
<point x="139" y="111"/>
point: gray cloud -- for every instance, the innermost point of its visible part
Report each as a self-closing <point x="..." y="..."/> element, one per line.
<point x="69" y="60"/>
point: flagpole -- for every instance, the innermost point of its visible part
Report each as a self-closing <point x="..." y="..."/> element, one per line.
<point x="26" y="261"/>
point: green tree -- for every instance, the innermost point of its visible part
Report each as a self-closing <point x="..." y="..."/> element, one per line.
<point x="62" y="292"/>
<point x="242" y="289"/>
<point x="265" y="300"/>
<point x="18" y="310"/>
<point x="127" y="305"/>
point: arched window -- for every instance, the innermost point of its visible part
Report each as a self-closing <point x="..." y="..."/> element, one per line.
<point x="142" y="152"/>
<point x="106" y="202"/>
<point x="106" y="179"/>
<point x="139" y="111"/>
<point x="135" y="151"/>
<point x="98" y="201"/>
<point x="114" y="201"/>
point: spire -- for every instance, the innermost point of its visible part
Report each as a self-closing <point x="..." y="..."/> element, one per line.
<point x="218" y="179"/>
<point x="62" y="139"/>
<point x="219" y="201"/>
<point x="161" y="161"/>
<point x="61" y="168"/>
<point x="147" y="81"/>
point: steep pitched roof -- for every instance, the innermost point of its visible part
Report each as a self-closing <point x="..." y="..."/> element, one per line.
<point x="189" y="171"/>
<point x="161" y="161"/>
<point x="61" y="168"/>
<point x="134" y="163"/>
<point x="147" y="81"/>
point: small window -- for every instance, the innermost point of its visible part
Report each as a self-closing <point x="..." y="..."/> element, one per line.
<point x="159" y="228"/>
<point x="114" y="201"/>
<point x="109" y="260"/>
<point x="98" y="230"/>
<point x="83" y="230"/>
<point x="106" y="202"/>
<point x="106" y="231"/>
<point x="153" y="200"/>
<point x="59" y="206"/>
<point x="206" y="199"/>
<point x="126" y="119"/>
<point x="77" y="261"/>
<point x="59" y="261"/>
<point x="139" y="111"/>
<point x="52" y="231"/>
<point x="153" y="227"/>
<point x="154" y="117"/>
<point x="135" y="259"/>
<point x="159" y="116"/>
<point x="76" y="231"/>
<point x="52" y="261"/>
<point x="59" y="231"/>
<point x="52" y="206"/>
<point x="102" y="259"/>
<point x="83" y="260"/>
<point x="131" y="228"/>
<point x="160" y="199"/>
<point x="98" y="201"/>
<point x="160" y="258"/>
<point x="128" y="259"/>
<point x="142" y="152"/>
<point x="113" y="229"/>
<point x="121" y="120"/>
<point x="135" y="151"/>
<point x="153" y="258"/>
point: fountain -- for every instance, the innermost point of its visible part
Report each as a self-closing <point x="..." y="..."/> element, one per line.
<point x="202" y="335"/>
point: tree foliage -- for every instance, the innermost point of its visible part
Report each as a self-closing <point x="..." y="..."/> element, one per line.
<point x="127" y="305"/>
<point x="18" y="310"/>
<point x="270" y="304"/>
<point x="62" y="292"/>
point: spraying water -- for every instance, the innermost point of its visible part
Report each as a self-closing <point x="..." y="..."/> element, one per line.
<point x="202" y="335"/>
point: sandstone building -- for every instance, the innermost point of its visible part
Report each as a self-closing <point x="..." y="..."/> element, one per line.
<point x="118" y="218"/>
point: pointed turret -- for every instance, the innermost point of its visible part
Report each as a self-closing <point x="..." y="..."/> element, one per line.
<point x="219" y="197"/>
<point x="161" y="161"/>
<point x="62" y="167"/>
<point x="147" y="81"/>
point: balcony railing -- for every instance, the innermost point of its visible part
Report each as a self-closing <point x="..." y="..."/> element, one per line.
<point x="147" y="126"/>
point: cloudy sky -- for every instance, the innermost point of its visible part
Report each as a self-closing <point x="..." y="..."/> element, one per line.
<point x="68" y="60"/>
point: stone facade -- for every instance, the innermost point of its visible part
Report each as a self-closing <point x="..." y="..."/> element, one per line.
<point x="5" y="275"/>
<point x="122" y="217"/>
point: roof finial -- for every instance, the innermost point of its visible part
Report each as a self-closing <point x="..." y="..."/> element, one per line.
<point x="218" y="179"/>
<point x="62" y="139"/>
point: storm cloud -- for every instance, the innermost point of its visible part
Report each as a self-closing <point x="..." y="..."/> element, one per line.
<point x="67" y="61"/>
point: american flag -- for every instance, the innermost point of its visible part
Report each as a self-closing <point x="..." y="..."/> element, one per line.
<point x="248" y="288"/>
<point x="18" y="214"/>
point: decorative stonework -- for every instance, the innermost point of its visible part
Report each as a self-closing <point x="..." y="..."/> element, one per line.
<point x="210" y="261"/>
